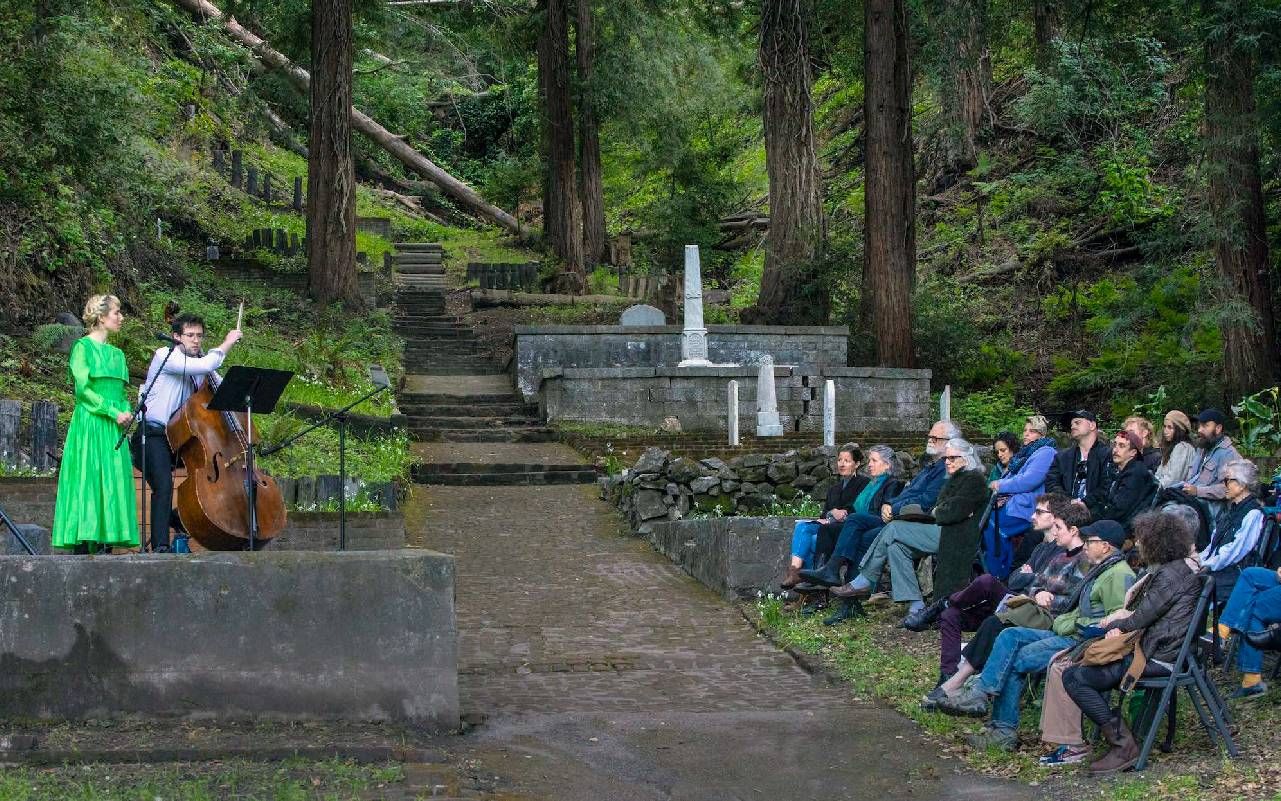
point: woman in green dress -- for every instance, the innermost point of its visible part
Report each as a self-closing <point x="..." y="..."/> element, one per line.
<point x="96" y="505"/>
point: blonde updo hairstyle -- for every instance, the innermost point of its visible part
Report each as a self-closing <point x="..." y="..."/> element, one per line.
<point x="97" y="307"/>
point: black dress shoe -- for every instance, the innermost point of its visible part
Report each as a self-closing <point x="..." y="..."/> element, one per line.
<point x="829" y="575"/>
<point x="923" y="618"/>
<point x="847" y="610"/>
<point x="1267" y="640"/>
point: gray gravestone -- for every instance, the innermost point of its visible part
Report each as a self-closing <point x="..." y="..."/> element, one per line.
<point x="252" y="186"/>
<point x="44" y="434"/>
<point x="236" y="167"/>
<point x="642" y="314"/>
<point x="74" y="332"/>
<point x="10" y="421"/>
<point x="266" y="187"/>
<point x="298" y="194"/>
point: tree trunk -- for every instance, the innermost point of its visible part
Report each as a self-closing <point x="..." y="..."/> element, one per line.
<point x="792" y="289"/>
<point x="590" y="186"/>
<point x="1045" y="27"/>
<point x="393" y="144"/>
<point x="960" y="29"/>
<point x="889" y="267"/>
<point x="1236" y="203"/>
<point x="331" y="175"/>
<point x="562" y="213"/>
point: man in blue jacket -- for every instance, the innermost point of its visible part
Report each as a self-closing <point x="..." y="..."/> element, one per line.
<point x="860" y="531"/>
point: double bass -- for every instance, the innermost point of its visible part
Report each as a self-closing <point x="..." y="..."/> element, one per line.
<point x="213" y="503"/>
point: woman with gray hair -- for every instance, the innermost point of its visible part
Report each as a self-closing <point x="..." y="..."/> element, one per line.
<point x="1009" y="527"/>
<point x="953" y="536"/>
<point x="1236" y="533"/>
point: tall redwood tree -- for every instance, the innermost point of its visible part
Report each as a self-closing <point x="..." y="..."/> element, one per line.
<point x="889" y="266"/>
<point x="562" y="211"/>
<point x="331" y="176"/>
<point x="591" y="189"/>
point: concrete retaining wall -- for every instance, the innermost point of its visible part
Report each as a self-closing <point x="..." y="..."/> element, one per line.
<point x="593" y="346"/>
<point x="867" y="398"/>
<point x="296" y="636"/>
<point x="735" y="556"/>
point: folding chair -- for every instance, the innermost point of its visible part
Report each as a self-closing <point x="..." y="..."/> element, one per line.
<point x="1188" y="674"/>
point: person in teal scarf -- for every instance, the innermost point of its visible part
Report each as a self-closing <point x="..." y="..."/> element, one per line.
<point x="841" y="496"/>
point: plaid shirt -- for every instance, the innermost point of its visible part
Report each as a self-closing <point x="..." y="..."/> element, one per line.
<point x="1060" y="578"/>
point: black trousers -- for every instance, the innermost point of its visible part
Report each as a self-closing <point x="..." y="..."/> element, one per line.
<point x="977" y="650"/>
<point x="159" y="463"/>
<point x="1090" y="685"/>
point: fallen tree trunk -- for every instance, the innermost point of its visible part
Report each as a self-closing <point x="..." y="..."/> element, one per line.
<point x="464" y="195"/>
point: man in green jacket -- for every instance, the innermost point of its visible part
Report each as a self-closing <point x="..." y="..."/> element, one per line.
<point x="1021" y="651"/>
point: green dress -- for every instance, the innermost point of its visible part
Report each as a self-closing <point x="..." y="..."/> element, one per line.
<point x="95" y="480"/>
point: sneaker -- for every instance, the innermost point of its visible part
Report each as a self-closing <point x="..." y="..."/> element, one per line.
<point x="931" y="700"/>
<point x="1065" y="755"/>
<point x="1249" y="693"/>
<point x="970" y="702"/>
<point x="995" y="737"/>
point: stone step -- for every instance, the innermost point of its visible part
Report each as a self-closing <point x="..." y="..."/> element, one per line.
<point x="434" y="329"/>
<point x="509" y="434"/>
<point x="419" y="247"/>
<point x="421" y="281"/>
<point x="499" y="468"/>
<point x="411" y="399"/>
<point x="543" y="478"/>
<point x="470" y="370"/>
<point x="468" y="422"/>
<point x="451" y="408"/>
<point x="419" y="269"/>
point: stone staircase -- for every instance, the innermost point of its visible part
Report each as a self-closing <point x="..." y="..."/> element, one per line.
<point x="456" y="398"/>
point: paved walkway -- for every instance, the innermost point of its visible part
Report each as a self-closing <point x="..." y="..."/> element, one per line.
<point x="604" y="672"/>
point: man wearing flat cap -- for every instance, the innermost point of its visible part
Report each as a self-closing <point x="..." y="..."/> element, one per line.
<point x="1205" y="478"/>
<point x="1082" y="470"/>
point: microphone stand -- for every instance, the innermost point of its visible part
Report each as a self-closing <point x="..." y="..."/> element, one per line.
<point x="139" y="413"/>
<point x="341" y="416"/>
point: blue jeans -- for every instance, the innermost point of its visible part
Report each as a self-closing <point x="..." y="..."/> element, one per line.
<point x="1255" y="602"/>
<point x="1016" y="653"/>
<point x="804" y="537"/>
<point x="856" y="536"/>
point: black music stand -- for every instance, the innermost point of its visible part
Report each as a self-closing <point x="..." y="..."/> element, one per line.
<point x="249" y="390"/>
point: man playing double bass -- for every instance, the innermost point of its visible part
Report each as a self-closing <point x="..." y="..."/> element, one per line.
<point x="182" y="375"/>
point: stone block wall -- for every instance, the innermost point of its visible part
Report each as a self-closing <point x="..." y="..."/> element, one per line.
<point x="292" y="636"/>
<point x="540" y="348"/>
<point x="867" y="398"/>
<point x="737" y="557"/>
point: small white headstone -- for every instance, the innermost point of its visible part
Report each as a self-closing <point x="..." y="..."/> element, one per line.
<point x="694" y="335"/>
<point x="733" y="413"/>
<point x="767" y="420"/>
<point x="945" y="404"/>
<point x="829" y="413"/>
<point x="642" y="315"/>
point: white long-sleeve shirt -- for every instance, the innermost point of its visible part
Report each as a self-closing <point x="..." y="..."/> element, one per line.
<point x="182" y="376"/>
<point x="1247" y="537"/>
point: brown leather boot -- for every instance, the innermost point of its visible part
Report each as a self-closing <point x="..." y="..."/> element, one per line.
<point x="1123" y="753"/>
<point x="792" y="578"/>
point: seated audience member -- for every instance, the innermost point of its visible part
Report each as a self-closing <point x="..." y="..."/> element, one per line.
<point x="967" y="608"/>
<point x="883" y="486"/>
<point x="1177" y="451"/>
<point x="1131" y="486"/>
<point x="1160" y="605"/>
<point x="859" y="530"/>
<point x="1081" y="469"/>
<point x="1016" y="491"/>
<point x="1051" y="588"/>
<point x="1020" y="651"/>
<point x="1236" y="530"/>
<point x="1253" y="611"/>
<point x="954" y="536"/>
<point x="838" y="503"/>
<point x="1205" y="479"/>
<point x="1142" y="427"/>
<point x="1003" y="449"/>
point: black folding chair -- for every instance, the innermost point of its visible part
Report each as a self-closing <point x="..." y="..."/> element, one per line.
<point x="1187" y="673"/>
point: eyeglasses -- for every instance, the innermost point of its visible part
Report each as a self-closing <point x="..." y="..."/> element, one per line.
<point x="953" y="458"/>
<point x="933" y="438"/>
<point x="1040" y="511"/>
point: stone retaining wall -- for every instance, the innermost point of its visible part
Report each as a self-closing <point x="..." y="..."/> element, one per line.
<point x="293" y="636"/>
<point x="737" y="557"/>
<point x="539" y="348"/>
<point x="867" y="398"/>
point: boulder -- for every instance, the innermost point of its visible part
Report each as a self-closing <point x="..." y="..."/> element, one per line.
<point x="712" y="463"/>
<point x="729" y="485"/>
<point x="649" y="505"/>
<point x="754" y="472"/>
<point x="653" y="460"/>
<point x="805" y="482"/>
<point x="704" y="484"/>
<point x="781" y="472"/>
<point x="684" y="470"/>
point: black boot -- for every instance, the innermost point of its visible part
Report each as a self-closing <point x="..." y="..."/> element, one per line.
<point x="923" y="618"/>
<point x="1267" y="640"/>
<point x="829" y="575"/>
<point x="847" y="610"/>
